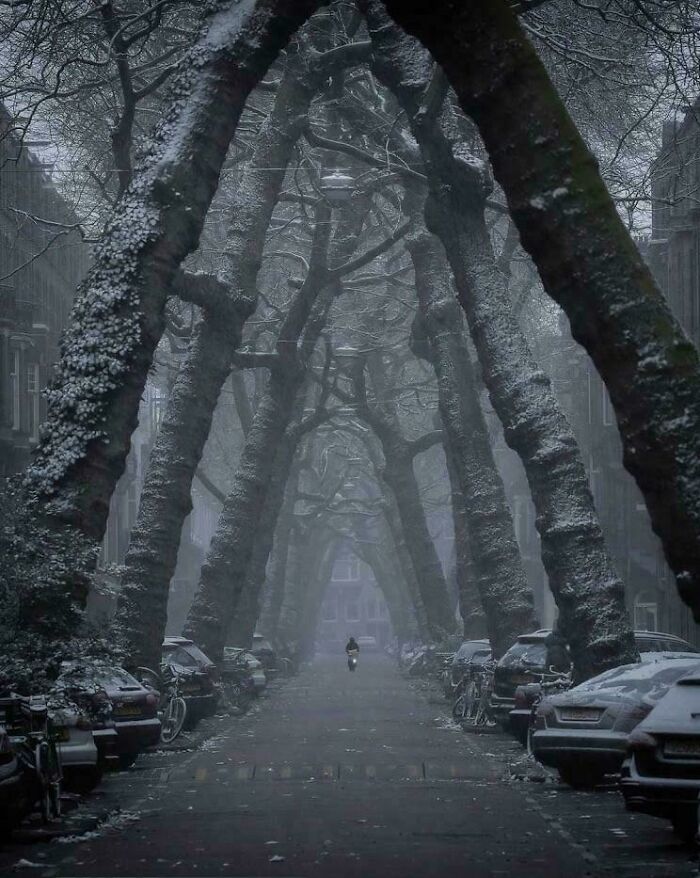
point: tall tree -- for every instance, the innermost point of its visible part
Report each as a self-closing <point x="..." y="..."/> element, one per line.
<point x="496" y="563"/>
<point x="582" y="577"/>
<point x="586" y="259"/>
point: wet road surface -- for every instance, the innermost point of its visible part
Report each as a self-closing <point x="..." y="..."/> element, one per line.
<point x="341" y="774"/>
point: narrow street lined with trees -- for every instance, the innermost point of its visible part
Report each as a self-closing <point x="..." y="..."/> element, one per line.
<point x="362" y="318"/>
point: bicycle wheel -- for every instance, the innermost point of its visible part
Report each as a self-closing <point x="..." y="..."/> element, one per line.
<point x="472" y="698"/>
<point x="173" y="719"/>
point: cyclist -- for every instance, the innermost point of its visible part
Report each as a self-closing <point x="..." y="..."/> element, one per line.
<point x="352" y="650"/>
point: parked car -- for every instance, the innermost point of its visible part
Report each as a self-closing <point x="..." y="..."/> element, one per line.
<point x="526" y="660"/>
<point x="656" y="641"/>
<point x="661" y="775"/>
<point x="470" y="653"/>
<point x="265" y="653"/>
<point x="134" y="708"/>
<point x="200" y="677"/>
<point x="236" y="657"/>
<point x="584" y="732"/>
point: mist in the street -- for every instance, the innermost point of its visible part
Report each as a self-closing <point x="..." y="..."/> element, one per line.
<point x="349" y="438"/>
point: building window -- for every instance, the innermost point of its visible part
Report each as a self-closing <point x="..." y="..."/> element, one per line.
<point x="15" y="391"/>
<point x="34" y="395"/>
<point x="352" y="612"/>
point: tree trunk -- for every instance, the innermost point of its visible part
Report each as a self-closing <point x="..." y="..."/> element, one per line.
<point x="117" y="318"/>
<point x="585" y="585"/>
<point x="586" y="259"/>
<point x="470" y="606"/>
<point x="398" y="474"/>
<point x="497" y="566"/>
<point x="223" y="573"/>
<point x="277" y="570"/>
<point x="166" y="496"/>
<point x="248" y="609"/>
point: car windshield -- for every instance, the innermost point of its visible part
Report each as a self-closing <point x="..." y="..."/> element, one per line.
<point x="650" y="680"/>
<point x="524" y="653"/>
<point x="468" y="650"/>
<point x="178" y="655"/>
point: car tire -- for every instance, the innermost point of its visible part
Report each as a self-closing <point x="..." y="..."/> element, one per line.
<point x="685" y="824"/>
<point x="579" y="777"/>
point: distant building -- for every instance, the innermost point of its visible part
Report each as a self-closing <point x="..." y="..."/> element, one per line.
<point x="353" y="604"/>
<point x="42" y="260"/>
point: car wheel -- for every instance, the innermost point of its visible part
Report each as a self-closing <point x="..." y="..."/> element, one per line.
<point x="580" y="778"/>
<point x="685" y="824"/>
<point x="82" y="779"/>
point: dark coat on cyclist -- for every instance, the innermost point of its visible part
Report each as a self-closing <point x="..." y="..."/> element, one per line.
<point x="351" y="646"/>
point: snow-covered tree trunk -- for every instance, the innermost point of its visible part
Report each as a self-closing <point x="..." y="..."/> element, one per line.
<point x="403" y="557"/>
<point x="277" y="569"/>
<point x="166" y="496"/>
<point x="117" y="319"/>
<point x="497" y="566"/>
<point x="583" y="580"/>
<point x="470" y="607"/>
<point x="398" y="474"/>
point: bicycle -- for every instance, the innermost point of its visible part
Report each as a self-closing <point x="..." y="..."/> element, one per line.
<point x="172" y="708"/>
<point x="34" y="740"/>
<point x="473" y="702"/>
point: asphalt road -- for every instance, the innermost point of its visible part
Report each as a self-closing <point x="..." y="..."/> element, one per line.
<point x="340" y="774"/>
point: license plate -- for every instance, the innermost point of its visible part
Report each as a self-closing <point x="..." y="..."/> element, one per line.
<point x="682" y="747"/>
<point x="127" y="711"/>
<point x="580" y="714"/>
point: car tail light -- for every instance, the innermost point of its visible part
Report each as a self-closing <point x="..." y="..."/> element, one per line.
<point x="152" y="699"/>
<point x="642" y="740"/>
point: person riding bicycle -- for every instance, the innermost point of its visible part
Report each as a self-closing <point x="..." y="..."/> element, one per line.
<point x="352" y="650"/>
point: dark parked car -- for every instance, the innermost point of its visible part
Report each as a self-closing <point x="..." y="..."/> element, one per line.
<point x="199" y="685"/>
<point x="526" y="661"/>
<point x="134" y="708"/>
<point x="583" y="733"/>
<point x="470" y="653"/>
<point x="661" y="777"/>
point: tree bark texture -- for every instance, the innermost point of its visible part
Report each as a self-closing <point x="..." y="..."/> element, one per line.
<point x="586" y="259"/>
<point x="470" y="606"/>
<point x="117" y="318"/>
<point x="166" y="497"/>
<point x="583" y="580"/>
<point x="497" y="566"/>
<point x="277" y="570"/>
